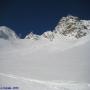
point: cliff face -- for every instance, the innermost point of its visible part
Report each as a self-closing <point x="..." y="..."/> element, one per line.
<point x="73" y="27"/>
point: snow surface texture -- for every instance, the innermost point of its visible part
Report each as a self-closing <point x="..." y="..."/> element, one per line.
<point x="55" y="60"/>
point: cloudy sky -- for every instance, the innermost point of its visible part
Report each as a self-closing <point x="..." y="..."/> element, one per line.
<point x="24" y="16"/>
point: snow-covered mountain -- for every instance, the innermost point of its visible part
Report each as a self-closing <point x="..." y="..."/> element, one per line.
<point x="68" y="27"/>
<point x="71" y="26"/>
<point x="7" y="33"/>
<point x="55" y="60"/>
<point x="32" y="36"/>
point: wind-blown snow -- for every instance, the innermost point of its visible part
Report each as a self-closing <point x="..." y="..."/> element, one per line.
<point x="52" y="61"/>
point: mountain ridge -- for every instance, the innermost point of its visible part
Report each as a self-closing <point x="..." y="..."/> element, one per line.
<point x="69" y="27"/>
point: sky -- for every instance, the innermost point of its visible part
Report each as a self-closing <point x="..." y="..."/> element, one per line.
<point x="38" y="16"/>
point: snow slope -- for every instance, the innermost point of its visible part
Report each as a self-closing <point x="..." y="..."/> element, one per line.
<point x="52" y="61"/>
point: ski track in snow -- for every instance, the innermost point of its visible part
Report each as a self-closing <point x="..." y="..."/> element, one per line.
<point x="50" y="85"/>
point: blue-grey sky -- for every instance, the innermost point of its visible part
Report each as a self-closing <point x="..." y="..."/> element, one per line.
<point x="38" y="16"/>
